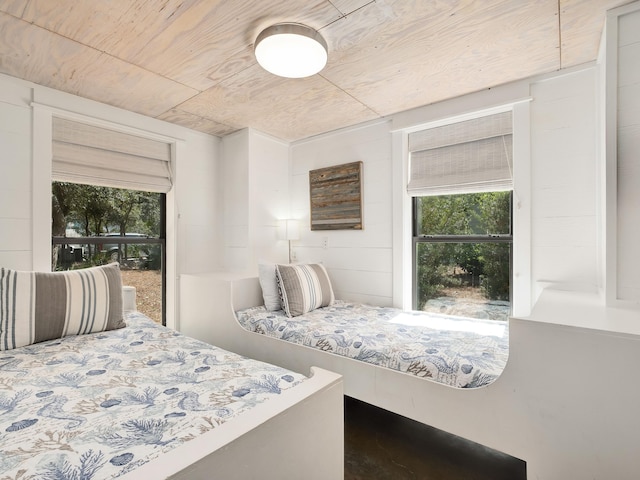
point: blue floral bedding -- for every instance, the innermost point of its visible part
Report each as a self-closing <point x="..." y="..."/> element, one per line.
<point x="456" y="351"/>
<point x="97" y="406"/>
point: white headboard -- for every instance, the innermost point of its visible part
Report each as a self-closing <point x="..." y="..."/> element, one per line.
<point x="245" y="293"/>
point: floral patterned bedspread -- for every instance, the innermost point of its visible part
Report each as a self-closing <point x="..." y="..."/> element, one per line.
<point x="456" y="351"/>
<point x="97" y="406"/>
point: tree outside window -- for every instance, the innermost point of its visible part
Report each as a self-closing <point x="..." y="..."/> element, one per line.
<point x="94" y="225"/>
<point x="462" y="252"/>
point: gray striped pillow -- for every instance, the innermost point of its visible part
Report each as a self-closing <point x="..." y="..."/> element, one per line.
<point x="37" y="306"/>
<point x="303" y="288"/>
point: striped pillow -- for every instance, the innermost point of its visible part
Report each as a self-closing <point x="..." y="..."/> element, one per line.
<point x="303" y="288"/>
<point x="36" y="306"/>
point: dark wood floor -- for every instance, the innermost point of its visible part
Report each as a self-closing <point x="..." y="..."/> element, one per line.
<point x="380" y="445"/>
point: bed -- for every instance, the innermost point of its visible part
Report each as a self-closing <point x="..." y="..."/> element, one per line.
<point x="456" y="351"/>
<point x="300" y="321"/>
<point x="534" y="410"/>
<point x="144" y="401"/>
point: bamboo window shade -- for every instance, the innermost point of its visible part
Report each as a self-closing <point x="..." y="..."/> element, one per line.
<point x="93" y="155"/>
<point x="466" y="157"/>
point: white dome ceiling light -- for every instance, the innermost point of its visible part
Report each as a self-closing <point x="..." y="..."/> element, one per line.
<point x="291" y="50"/>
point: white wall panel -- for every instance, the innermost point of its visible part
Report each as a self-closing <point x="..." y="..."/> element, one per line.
<point x="558" y="152"/>
<point x="629" y="111"/>
<point x="269" y="198"/>
<point x="15" y="155"/>
<point x="16" y="260"/>
<point x="554" y="231"/>
<point x="564" y="181"/>
<point x="347" y="284"/>
<point x="15" y="175"/>
<point x="15" y="118"/>
<point x="15" y="92"/>
<point x="358" y="261"/>
<point x="628" y="192"/>
<point x="628" y="68"/>
<point x="255" y="185"/>
<point x="14" y="203"/>
<point x="201" y="247"/>
<point x="234" y="184"/>
<point x="15" y="162"/>
<point x="198" y="199"/>
<point x="368" y="260"/>
<point x="16" y="234"/>
<point x="562" y="267"/>
<point x="554" y="199"/>
<point x="236" y="236"/>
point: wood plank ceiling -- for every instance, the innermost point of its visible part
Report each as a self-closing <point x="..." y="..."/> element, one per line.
<point x="191" y="62"/>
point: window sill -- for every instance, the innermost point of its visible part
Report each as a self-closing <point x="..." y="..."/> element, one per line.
<point x="584" y="310"/>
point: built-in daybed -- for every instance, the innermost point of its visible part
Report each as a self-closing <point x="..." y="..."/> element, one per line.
<point x="295" y="306"/>
<point x="300" y="307"/>
<point x="456" y="351"/>
<point x="536" y="410"/>
<point x="88" y="393"/>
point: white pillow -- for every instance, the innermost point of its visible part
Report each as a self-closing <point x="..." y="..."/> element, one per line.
<point x="269" y="285"/>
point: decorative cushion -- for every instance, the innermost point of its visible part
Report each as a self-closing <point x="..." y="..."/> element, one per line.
<point x="303" y="288"/>
<point x="269" y="285"/>
<point x="37" y="306"/>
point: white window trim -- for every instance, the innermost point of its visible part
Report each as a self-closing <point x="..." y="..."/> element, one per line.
<point x="402" y="234"/>
<point x="41" y="200"/>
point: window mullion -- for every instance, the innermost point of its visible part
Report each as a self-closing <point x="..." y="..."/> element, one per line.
<point x="464" y="238"/>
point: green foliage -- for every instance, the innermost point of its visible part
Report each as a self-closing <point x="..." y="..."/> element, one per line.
<point x="154" y="260"/>
<point x="96" y="210"/>
<point x="99" y="210"/>
<point x="444" y="215"/>
<point x="468" y="257"/>
<point x="431" y="272"/>
<point x="494" y="212"/>
<point x="463" y="215"/>
<point x="495" y="257"/>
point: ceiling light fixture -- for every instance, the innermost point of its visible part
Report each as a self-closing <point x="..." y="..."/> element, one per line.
<point x="291" y="50"/>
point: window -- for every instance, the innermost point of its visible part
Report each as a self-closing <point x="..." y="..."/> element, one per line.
<point x="462" y="254"/>
<point x="109" y="194"/>
<point x="460" y="178"/>
<point x="94" y="225"/>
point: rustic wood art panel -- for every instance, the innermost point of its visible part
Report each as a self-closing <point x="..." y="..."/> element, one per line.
<point x="336" y="197"/>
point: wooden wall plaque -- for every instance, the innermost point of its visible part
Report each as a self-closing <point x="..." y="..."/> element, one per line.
<point x="336" y="197"/>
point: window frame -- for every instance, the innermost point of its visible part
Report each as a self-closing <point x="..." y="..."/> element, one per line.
<point x="124" y="240"/>
<point x="475" y="238"/>
<point x="516" y="97"/>
<point x="44" y="107"/>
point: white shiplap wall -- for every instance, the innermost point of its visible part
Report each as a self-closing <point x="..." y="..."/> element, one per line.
<point x="15" y="174"/>
<point x="234" y="188"/>
<point x="198" y="200"/>
<point x="269" y="193"/>
<point x="254" y="187"/>
<point x="359" y="262"/>
<point x="628" y="246"/>
<point x="564" y="182"/>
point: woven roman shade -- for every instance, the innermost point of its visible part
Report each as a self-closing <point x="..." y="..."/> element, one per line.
<point x="94" y="155"/>
<point x="466" y="157"/>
